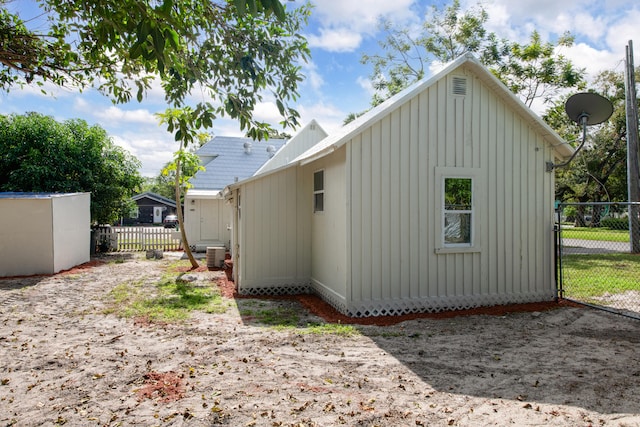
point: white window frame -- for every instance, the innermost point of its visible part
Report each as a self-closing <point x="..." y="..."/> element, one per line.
<point x="135" y="213"/>
<point x="441" y="246"/>
<point x="318" y="192"/>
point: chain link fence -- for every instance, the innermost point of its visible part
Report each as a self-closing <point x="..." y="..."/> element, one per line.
<point x="599" y="255"/>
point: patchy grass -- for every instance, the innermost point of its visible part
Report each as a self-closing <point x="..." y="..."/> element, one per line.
<point x="279" y="317"/>
<point x="329" y="328"/>
<point x="170" y="299"/>
<point x="602" y="234"/>
<point x="289" y="318"/>
<point x="588" y="276"/>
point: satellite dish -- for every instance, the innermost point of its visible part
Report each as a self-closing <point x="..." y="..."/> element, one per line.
<point x="595" y="108"/>
<point x="586" y="108"/>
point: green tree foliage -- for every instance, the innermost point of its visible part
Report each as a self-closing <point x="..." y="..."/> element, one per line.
<point x="232" y="53"/>
<point x="40" y="154"/>
<point x="160" y="184"/>
<point x="535" y="70"/>
<point x="446" y="34"/>
<point x="598" y="173"/>
<point x="189" y="164"/>
<point x="164" y="183"/>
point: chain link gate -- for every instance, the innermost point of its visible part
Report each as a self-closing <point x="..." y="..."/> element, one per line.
<point x="598" y="255"/>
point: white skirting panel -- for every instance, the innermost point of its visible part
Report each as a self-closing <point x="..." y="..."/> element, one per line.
<point x="291" y="288"/>
<point x="437" y="304"/>
<point x="331" y="297"/>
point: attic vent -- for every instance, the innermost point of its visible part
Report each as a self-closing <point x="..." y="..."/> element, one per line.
<point x="459" y="85"/>
<point x="247" y="147"/>
<point x="312" y="127"/>
<point x="271" y="150"/>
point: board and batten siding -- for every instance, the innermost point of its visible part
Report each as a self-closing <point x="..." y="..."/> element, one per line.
<point x="328" y="230"/>
<point x="274" y="236"/>
<point x="394" y="170"/>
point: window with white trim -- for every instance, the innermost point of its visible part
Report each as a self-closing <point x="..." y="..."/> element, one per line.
<point x="458" y="212"/>
<point x="318" y="191"/>
<point x="134" y="212"/>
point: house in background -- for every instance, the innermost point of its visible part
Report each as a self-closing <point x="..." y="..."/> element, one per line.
<point x="227" y="160"/>
<point x="437" y="199"/>
<point x="152" y="208"/>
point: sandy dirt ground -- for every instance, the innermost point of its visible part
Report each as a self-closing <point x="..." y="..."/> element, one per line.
<point x="65" y="362"/>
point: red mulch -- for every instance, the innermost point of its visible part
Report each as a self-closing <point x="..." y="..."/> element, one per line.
<point x="73" y="270"/>
<point x="320" y="308"/>
<point x="163" y="386"/>
<point x="82" y="267"/>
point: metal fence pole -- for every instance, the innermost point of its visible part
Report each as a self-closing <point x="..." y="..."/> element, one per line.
<point x="633" y="172"/>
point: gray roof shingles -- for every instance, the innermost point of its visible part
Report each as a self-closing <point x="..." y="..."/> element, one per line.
<point x="231" y="161"/>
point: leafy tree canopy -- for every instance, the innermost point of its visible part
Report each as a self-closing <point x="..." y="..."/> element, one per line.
<point x="40" y="154"/>
<point x="598" y="173"/>
<point x="160" y="184"/>
<point x="231" y="53"/>
<point x="189" y="164"/>
<point x="535" y="70"/>
<point x="446" y="34"/>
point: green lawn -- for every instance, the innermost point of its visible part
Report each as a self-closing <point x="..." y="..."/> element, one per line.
<point x="587" y="233"/>
<point x="589" y="276"/>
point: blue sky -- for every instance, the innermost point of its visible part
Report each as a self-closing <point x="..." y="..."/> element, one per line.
<point x="336" y="83"/>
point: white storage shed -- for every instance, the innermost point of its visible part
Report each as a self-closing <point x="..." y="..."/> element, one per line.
<point x="43" y="233"/>
<point x="437" y="199"/>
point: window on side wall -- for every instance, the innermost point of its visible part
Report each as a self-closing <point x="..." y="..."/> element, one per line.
<point x="318" y="191"/>
<point x="134" y="213"/>
<point x="460" y="201"/>
<point x="458" y="212"/>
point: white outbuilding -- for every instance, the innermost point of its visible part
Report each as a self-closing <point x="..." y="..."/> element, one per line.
<point x="437" y="199"/>
<point x="226" y="160"/>
<point x="43" y="233"/>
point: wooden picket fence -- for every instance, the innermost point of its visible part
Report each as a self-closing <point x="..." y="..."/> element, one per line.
<point x="131" y="239"/>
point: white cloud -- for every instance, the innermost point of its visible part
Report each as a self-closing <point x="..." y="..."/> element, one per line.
<point x="114" y="115"/>
<point x="313" y="76"/>
<point x="584" y="25"/>
<point x="622" y="30"/>
<point x="336" y="40"/>
<point x="342" y="24"/>
<point x="365" y="83"/>
<point x="267" y="112"/>
<point x="360" y="16"/>
<point x="328" y="116"/>
<point x="602" y="29"/>
<point x="592" y="60"/>
<point x="153" y="151"/>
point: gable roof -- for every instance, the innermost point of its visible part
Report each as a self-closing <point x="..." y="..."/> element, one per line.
<point x="342" y="136"/>
<point x="156" y="197"/>
<point x="305" y="138"/>
<point x="329" y="144"/>
<point x="228" y="159"/>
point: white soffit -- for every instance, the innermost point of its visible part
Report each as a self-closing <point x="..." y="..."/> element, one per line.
<point x="204" y="194"/>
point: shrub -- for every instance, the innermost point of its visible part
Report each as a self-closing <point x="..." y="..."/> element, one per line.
<point x="615" y="223"/>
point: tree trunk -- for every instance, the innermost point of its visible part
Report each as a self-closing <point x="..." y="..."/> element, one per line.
<point x="183" y="233"/>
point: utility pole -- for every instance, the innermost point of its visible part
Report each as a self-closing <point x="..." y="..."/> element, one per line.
<point x="633" y="167"/>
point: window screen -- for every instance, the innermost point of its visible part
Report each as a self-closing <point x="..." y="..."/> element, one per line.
<point x="458" y="211"/>
<point x="318" y="191"/>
